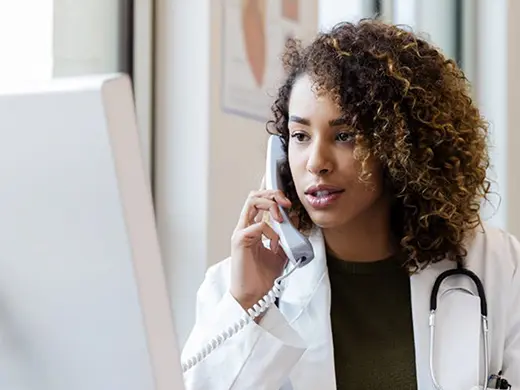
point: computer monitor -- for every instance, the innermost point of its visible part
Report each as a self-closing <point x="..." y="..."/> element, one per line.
<point x="83" y="298"/>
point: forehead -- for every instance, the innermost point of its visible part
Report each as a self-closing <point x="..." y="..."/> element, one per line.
<point x="305" y="102"/>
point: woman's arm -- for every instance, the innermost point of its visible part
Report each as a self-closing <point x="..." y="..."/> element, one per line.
<point x="260" y="356"/>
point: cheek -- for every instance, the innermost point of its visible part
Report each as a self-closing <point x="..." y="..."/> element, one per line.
<point x="298" y="168"/>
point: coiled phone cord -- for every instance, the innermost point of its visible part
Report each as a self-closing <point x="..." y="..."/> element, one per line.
<point x="260" y="307"/>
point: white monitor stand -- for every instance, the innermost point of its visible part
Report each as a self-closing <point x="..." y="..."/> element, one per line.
<point x="83" y="298"/>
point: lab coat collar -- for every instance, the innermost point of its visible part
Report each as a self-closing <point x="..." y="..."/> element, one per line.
<point x="458" y="318"/>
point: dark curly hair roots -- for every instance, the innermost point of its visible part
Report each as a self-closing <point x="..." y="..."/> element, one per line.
<point x="410" y="107"/>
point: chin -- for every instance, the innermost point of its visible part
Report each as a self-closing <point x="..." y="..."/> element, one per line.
<point x="325" y="220"/>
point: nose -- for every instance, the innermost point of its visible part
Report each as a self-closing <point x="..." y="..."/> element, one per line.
<point x="319" y="162"/>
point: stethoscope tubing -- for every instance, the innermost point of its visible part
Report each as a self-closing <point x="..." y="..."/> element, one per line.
<point x="483" y="315"/>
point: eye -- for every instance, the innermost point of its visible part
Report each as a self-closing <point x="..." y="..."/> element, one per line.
<point x="345" y="137"/>
<point x="299" y="136"/>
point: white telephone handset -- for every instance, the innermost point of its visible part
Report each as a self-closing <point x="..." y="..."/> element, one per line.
<point x="297" y="247"/>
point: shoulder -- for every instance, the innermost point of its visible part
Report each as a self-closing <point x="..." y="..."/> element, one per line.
<point x="492" y="250"/>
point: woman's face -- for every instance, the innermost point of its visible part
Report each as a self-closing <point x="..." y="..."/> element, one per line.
<point x="321" y="158"/>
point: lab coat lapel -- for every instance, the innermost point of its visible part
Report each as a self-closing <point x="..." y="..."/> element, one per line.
<point x="306" y="305"/>
<point x="457" y="330"/>
<point x="301" y="285"/>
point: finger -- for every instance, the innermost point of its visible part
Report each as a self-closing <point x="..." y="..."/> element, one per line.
<point x="254" y="205"/>
<point x="272" y="236"/>
<point x="251" y="209"/>
<point x="252" y="234"/>
<point x="261" y="216"/>
<point x="274" y="241"/>
<point x="267" y="216"/>
<point x="277" y="196"/>
<point x="260" y="205"/>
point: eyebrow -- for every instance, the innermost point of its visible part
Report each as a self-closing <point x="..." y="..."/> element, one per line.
<point x="306" y="122"/>
<point x="297" y="119"/>
<point x="338" y="122"/>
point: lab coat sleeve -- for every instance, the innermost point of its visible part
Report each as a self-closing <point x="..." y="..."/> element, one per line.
<point x="511" y="365"/>
<point x="259" y="357"/>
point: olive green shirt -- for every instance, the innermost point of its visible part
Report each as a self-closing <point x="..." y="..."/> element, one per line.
<point x="372" y="325"/>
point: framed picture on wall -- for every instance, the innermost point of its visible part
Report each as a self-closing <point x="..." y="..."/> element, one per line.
<point x="254" y="33"/>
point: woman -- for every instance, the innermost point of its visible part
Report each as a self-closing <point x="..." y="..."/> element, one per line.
<point x="386" y="173"/>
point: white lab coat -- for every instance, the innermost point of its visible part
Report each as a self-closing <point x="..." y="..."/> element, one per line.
<point x="292" y="348"/>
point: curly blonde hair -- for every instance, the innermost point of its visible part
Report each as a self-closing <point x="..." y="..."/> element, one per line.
<point x="410" y="107"/>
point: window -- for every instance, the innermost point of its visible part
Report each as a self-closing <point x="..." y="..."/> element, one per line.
<point x="26" y="31"/>
<point x="41" y="39"/>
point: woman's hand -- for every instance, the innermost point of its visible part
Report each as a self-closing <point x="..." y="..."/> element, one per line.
<point x="254" y="267"/>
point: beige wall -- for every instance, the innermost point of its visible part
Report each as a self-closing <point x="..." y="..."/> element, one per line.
<point x="207" y="161"/>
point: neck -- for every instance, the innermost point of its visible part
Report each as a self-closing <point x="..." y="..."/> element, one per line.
<point x="367" y="238"/>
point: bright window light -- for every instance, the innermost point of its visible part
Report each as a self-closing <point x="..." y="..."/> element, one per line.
<point x="405" y="13"/>
<point x="26" y="36"/>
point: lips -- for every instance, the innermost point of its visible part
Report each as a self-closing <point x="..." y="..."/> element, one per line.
<point x="323" y="196"/>
<point x="323" y="190"/>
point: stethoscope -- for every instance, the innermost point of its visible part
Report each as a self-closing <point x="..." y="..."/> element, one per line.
<point x="483" y="316"/>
